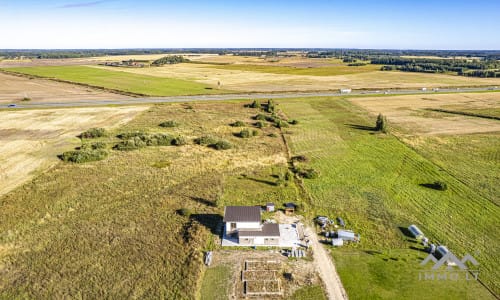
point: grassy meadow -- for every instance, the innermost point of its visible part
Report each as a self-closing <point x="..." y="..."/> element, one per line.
<point x="122" y="81"/>
<point x="112" y="228"/>
<point x="374" y="182"/>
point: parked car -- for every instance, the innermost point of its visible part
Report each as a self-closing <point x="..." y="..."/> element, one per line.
<point x="12" y="105"/>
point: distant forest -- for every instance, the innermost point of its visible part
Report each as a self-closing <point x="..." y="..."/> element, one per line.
<point x="476" y="63"/>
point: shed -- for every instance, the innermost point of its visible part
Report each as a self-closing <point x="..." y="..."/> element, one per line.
<point x="270" y="207"/>
<point x="348" y="235"/>
<point x="441" y="251"/>
<point x="415" y="232"/>
<point x="337" y="242"/>
<point x="290" y="208"/>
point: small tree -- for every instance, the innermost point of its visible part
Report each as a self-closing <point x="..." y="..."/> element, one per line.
<point x="381" y="123"/>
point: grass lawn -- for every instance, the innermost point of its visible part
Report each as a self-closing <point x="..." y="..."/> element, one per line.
<point x="216" y="283"/>
<point x="317" y="71"/>
<point x="374" y="182"/>
<point x="309" y="292"/>
<point x="123" y="81"/>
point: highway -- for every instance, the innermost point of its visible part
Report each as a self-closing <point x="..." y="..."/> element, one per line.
<point x="149" y="100"/>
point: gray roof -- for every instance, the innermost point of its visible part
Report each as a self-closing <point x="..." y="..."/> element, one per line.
<point x="267" y="230"/>
<point x="242" y="214"/>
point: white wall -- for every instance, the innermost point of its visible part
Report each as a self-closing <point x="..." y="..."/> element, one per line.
<point x="243" y="225"/>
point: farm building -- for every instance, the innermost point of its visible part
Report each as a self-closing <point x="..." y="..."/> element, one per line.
<point x="244" y="223"/>
<point x="415" y="232"/>
<point x="290" y="208"/>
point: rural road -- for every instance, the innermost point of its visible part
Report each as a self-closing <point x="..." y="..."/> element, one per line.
<point x="148" y="100"/>
<point x="325" y="267"/>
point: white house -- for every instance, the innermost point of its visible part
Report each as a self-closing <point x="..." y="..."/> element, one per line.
<point x="244" y="223"/>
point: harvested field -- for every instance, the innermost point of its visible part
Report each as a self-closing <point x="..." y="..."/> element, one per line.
<point x="31" y="139"/>
<point x="409" y="112"/>
<point x="252" y="80"/>
<point x="14" y="88"/>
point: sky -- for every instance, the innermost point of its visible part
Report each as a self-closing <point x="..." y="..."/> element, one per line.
<point x="377" y="24"/>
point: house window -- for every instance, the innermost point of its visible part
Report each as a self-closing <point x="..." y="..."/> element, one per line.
<point x="233" y="226"/>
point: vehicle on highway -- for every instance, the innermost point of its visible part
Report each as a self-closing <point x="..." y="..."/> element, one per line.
<point x="11" y="105"/>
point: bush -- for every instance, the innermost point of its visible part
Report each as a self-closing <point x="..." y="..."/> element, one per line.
<point x="93" y="133"/>
<point x="308" y="173"/>
<point x="281" y="124"/>
<point x="179" y="141"/>
<point x="300" y="158"/>
<point x="127" y="135"/>
<point x="293" y="122"/>
<point x="246" y="133"/>
<point x="270" y="106"/>
<point x="93" y="146"/>
<point x="274" y="135"/>
<point x="26" y="99"/>
<point x="169" y="124"/>
<point x="82" y="156"/>
<point x="205" y="140"/>
<point x="260" y="124"/>
<point x="238" y="124"/>
<point x="222" y="145"/>
<point x="130" y="144"/>
<point x="255" y="104"/>
<point x="381" y="123"/>
<point x="260" y="117"/>
<point x="186" y="212"/>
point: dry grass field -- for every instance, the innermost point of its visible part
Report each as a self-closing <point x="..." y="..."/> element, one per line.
<point x="14" y="88"/>
<point x="31" y="139"/>
<point x="255" y="81"/>
<point x="409" y="112"/>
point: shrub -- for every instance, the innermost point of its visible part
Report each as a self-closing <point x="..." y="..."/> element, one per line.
<point x="186" y="212"/>
<point x="222" y="145"/>
<point x="246" y="133"/>
<point x="274" y="135"/>
<point x="169" y="124"/>
<point x="130" y="144"/>
<point x="281" y="124"/>
<point x="205" y="140"/>
<point x="300" y="158"/>
<point x="179" y="141"/>
<point x="93" y="146"/>
<point x="238" y="124"/>
<point x="260" y="124"/>
<point x="293" y="122"/>
<point x="270" y="106"/>
<point x="26" y="99"/>
<point x="82" y="156"/>
<point x="255" y="104"/>
<point x="308" y="173"/>
<point x="93" y="133"/>
<point x="260" y="117"/>
<point x="381" y="123"/>
<point x="127" y="135"/>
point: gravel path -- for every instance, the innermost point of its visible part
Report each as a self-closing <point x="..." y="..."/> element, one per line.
<point x="325" y="267"/>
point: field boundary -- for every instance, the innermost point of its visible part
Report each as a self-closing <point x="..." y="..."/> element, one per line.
<point x="463" y="113"/>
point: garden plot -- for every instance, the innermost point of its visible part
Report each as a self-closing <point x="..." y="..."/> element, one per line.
<point x="261" y="278"/>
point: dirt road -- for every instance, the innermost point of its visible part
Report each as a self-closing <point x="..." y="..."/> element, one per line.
<point x="325" y="268"/>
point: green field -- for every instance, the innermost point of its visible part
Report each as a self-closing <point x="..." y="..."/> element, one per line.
<point x="121" y="81"/>
<point x="316" y="71"/>
<point x="374" y="182"/>
<point x="216" y="283"/>
<point x="309" y="292"/>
